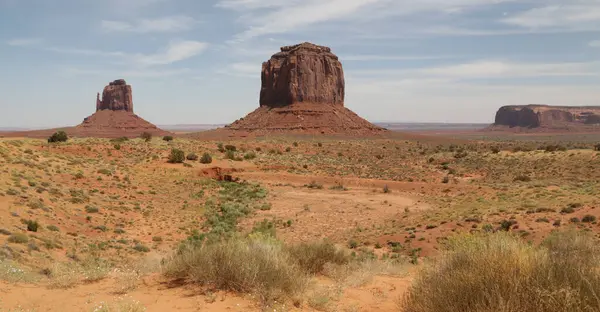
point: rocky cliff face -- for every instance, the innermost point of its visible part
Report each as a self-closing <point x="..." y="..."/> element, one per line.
<point x="302" y="92"/>
<point x="303" y="73"/>
<point x="117" y="96"/>
<point x="545" y="116"/>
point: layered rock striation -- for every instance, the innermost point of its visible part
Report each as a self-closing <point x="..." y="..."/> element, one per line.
<point x="116" y="96"/>
<point x="548" y="117"/>
<point x="302" y="91"/>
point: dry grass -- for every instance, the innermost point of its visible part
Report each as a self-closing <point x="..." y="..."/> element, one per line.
<point x="258" y="265"/>
<point x="312" y="257"/>
<point x="125" y="304"/>
<point x="69" y="274"/>
<point x="498" y="272"/>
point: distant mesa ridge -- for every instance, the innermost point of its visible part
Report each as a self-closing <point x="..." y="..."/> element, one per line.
<point x="548" y="117"/>
<point x="303" y="91"/>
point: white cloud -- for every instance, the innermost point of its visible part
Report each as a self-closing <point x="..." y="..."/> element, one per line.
<point x="164" y="24"/>
<point x="484" y="69"/>
<point x="85" y="52"/>
<point x="175" y="52"/>
<point x="21" y="42"/>
<point x="372" y="57"/>
<point x="243" y="5"/>
<point x="594" y="43"/>
<point x="584" y="15"/>
<point x="242" y="69"/>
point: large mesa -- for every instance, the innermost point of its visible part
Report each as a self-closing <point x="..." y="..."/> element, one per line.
<point x="116" y="96"/>
<point x="546" y="117"/>
<point x="302" y="91"/>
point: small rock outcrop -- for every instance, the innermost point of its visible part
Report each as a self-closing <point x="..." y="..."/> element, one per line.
<point x="117" y="96"/>
<point x="548" y="117"/>
<point x="304" y="73"/>
<point x="302" y="91"/>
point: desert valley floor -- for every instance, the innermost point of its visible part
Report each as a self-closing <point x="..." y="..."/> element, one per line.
<point x="90" y="224"/>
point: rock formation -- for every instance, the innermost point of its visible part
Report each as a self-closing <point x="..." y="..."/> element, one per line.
<point x="114" y="115"/>
<point x="303" y="91"/>
<point x="545" y="117"/>
<point x="116" y="96"/>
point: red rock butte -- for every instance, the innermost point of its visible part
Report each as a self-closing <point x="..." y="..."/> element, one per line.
<point x="114" y="115"/>
<point x="302" y="91"/>
<point x="547" y="118"/>
<point x="113" y="118"/>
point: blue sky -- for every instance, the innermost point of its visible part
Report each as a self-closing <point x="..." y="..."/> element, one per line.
<point x="198" y="61"/>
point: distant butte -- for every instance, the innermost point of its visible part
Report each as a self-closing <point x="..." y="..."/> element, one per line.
<point x="547" y="118"/>
<point x="114" y="115"/>
<point x="302" y="91"/>
<point x="113" y="118"/>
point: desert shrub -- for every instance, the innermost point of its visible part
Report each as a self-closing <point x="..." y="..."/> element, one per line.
<point x="146" y="136"/>
<point x="59" y="136"/>
<point x="256" y="265"/>
<point x="314" y="185"/>
<point x="522" y="178"/>
<point x="120" y="140"/>
<point x="167" y="138"/>
<point x="91" y="209"/>
<point x="296" y="144"/>
<point x="597" y="147"/>
<point x="206" y="158"/>
<point x="386" y="189"/>
<point x="117" y="147"/>
<point x="495" y="150"/>
<point x="53" y="228"/>
<point x="18" y="238"/>
<point x="177" y="156"/>
<point x="250" y="155"/>
<point x="220" y="148"/>
<point x="141" y="248"/>
<point x="229" y="154"/>
<point x="192" y="157"/>
<point x="567" y="210"/>
<point x="477" y="273"/>
<point x="230" y="148"/>
<point x="312" y="257"/>
<point x="446" y="180"/>
<point x="588" y="219"/>
<point x="105" y="172"/>
<point x="32" y="226"/>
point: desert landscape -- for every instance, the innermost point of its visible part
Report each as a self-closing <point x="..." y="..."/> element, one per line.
<point x="302" y="204"/>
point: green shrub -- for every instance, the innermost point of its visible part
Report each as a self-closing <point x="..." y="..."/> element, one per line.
<point x="32" y="226"/>
<point x="250" y="155"/>
<point x="141" y="248"/>
<point x="91" y="209"/>
<point x="146" y="136"/>
<point x="168" y="138"/>
<point x="192" y="157"/>
<point x="117" y="147"/>
<point x="597" y="147"/>
<point x="177" y="156"/>
<point x="59" y="136"/>
<point x="588" y="219"/>
<point x="206" y="158"/>
<point x="522" y="178"/>
<point x="477" y="273"/>
<point x="53" y="228"/>
<point x="230" y="148"/>
<point x="229" y="154"/>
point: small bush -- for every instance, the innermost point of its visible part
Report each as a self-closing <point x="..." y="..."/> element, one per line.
<point x="53" y="228"/>
<point x="597" y="147"/>
<point x="229" y="154"/>
<point x="32" y="226"/>
<point x="59" y="136"/>
<point x="446" y="180"/>
<point x="230" y="148"/>
<point x="386" y="189"/>
<point x="117" y="147"/>
<point x="250" y="155"/>
<point x="522" y="178"/>
<point x="91" y="209"/>
<point x="314" y="185"/>
<point x="18" y="238"/>
<point x="495" y="150"/>
<point x="167" y="138"/>
<point x="206" y="158"/>
<point x="192" y="157"/>
<point x="141" y="248"/>
<point x="146" y="136"/>
<point x="588" y="219"/>
<point x="177" y="156"/>
<point x="312" y="257"/>
<point x="567" y="210"/>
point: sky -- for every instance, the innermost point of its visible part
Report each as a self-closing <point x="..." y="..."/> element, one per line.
<point x="199" y="61"/>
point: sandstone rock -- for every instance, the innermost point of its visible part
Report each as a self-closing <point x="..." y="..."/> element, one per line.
<point x="548" y="117"/>
<point x="302" y="73"/>
<point x="302" y="91"/>
<point x="117" y="96"/>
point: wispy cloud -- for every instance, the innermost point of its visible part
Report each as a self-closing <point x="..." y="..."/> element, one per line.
<point x="594" y="43"/>
<point x="242" y="69"/>
<point x="21" y="42"/>
<point x="137" y="73"/>
<point x="373" y="57"/>
<point x="577" y="15"/>
<point x="159" y="25"/>
<point x="175" y="52"/>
